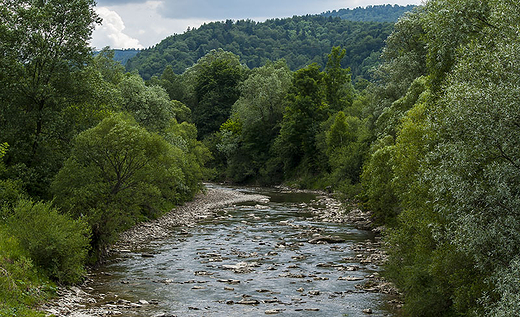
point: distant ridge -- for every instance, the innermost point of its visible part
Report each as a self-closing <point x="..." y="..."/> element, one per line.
<point x="122" y="55"/>
<point x="376" y="13"/>
<point x="300" y="40"/>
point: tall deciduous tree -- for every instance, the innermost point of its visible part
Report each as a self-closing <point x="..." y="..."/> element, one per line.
<point x="214" y="82"/>
<point x="42" y="45"/>
<point x="339" y="92"/>
<point x="259" y="111"/>
<point x="304" y="112"/>
<point x="119" y="173"/>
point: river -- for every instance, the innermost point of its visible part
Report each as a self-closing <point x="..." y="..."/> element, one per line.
<point x="249" y="259"/>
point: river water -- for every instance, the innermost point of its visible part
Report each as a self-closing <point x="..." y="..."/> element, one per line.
<point x="251" y="259"/>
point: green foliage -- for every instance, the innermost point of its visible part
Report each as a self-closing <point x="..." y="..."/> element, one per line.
<point x="196" y="155"/>
<point x="150" y="105"/>
<point x="377" y="181"/>
<point x="305" y="110"/>
<point x="301" y="41"/>
<point x="214" y="82"/>
<point x="338" y="86"/>
<point x="22" y="285"/>
<point x="120" y="173"/>
<point x="121" y="56"/>
<point x="54" y="242"/>
<point x="44" y="44"/>
<point x="375" y="13"/>
<point x="258" y="113"/>
<point x="404" y="60"/>
<point x="453" y="169"/>
<point x="346" y="149"/>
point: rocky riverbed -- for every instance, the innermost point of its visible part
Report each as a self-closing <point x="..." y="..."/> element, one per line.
<point x="245" y="257"/>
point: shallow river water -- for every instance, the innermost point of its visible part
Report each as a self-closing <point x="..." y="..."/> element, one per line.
<point x="251" y="259"/>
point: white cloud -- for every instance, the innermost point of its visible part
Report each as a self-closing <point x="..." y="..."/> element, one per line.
<point x="110" y="33"/>
<point x="142" y="20"/>
<point x="151" y="21"/>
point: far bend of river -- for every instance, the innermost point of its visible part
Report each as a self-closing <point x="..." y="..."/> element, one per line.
<point x="248" y="252"/>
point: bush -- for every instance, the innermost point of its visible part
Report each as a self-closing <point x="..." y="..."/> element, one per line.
<point x="54" y="242"/>
<point x="21" y="284"/>
<point x="120" y="174"/>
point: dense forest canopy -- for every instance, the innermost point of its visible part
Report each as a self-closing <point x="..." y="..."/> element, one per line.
<point x="375" y="13"/>
<point x="299" y="40"/>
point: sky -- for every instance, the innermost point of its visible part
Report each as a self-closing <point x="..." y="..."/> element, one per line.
<point x="144" y="23"/>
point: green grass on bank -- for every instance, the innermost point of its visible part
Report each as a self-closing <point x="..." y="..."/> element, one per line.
<point x="22" y="285"/>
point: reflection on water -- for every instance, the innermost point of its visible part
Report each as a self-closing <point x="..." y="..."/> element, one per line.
<point x="250" y="260"/>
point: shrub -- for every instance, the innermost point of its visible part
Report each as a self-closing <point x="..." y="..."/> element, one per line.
<point x="21" y="283"/>
<point x="120" y="174"/>
<point x="56" y="243"/>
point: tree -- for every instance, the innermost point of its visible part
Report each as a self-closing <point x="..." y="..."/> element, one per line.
<point x="56" y="243"/>
<point x="259" y="111"/>
<point x="302" y="117"/>
<point x="150" y="105"/>
<point x="42" y="45"/>
<point x="455" y="162"/>
<point x="477" y="176"/>
<point x="338" y="84"/>
<point x="119" y="173"/>
<point x="347" y="144"/>
<point x="214" y="82"/>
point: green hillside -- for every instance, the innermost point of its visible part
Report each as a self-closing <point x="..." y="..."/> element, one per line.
<point x="299" y="40"/>
<point x="377" y="13"/>
<point x="122" y="55"/>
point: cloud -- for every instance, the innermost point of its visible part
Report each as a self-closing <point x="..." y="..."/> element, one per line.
<point x="111" y="31"/>
<point x="244" y="9"/>
<point x="151" y="21"/>
<point x="241" y="9"/>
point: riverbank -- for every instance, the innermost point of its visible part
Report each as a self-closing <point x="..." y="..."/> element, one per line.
<point x="73" y="301"/>
<point x="77" y="301"/>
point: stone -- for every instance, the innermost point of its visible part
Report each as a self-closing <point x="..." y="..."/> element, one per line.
<point x="326" y="239"/>
<point x="350" y="278"/>
<point x="248" y="302"/>
<point x="273" y="311"/>
<point x="367" y="311"/>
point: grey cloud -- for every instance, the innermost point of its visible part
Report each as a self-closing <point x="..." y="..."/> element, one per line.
<point x="240" y="9"/>
<point x="102" y="3"/>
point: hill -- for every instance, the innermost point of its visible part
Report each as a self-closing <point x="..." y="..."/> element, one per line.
<point x="300" y="40"/>
<point x="377" y="13"/>
<point x="122" y="55"/>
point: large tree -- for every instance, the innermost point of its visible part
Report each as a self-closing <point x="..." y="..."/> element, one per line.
<point x="43" y="44"/>
<point x="214" y="84"/>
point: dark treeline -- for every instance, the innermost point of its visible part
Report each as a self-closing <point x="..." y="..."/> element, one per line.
<point x="376" y="13"/>
<point x="301" y="41"/>
<point x="429" y="146"/>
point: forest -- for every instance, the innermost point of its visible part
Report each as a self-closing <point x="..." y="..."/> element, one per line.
<point x="300" y="40"/>
<point x="372" y="13"/>
<point x="429" y="145"/>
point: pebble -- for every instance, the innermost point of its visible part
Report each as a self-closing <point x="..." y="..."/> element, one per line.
<point x="273" y="311"/>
